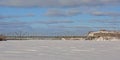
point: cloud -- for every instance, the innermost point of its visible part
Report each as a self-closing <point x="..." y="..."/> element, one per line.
<point x="113" y="21"/>
<point x="63" y="13"/>
<point x="13" y="24"/>
<point x="75" y="12"/>
<point x="113" y="14"/>
<point x="86" y="27"/>
<point x="54" y="21"/>
<point x="18" y="23"/>
<point x="15" y="16"/>
<point x="74" y="27"/>
<point x="57" y="3"/>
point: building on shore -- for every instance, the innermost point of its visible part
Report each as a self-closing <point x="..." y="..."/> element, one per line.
<point x="104" y="35"/>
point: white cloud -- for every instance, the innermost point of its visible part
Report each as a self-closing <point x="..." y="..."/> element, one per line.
<point x="14" y="26"/>
<point x="54" y="21"/>
<point x="111" y="21"/>
<point x="63" y="13"/>
<point x="57" y="3"/>
<point x="98" y="13"/>
<point x="15" y="16"/>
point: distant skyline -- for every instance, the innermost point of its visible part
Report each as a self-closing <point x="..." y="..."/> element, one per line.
<point x="70" y="17"/>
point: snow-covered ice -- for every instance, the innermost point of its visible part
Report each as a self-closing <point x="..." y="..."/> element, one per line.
<point x="59" y="50"/>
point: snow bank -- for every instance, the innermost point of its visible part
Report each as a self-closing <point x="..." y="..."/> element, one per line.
<point x="59" y="50"/>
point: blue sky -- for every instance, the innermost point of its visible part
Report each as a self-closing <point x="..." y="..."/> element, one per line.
<point x="50" y="17"/>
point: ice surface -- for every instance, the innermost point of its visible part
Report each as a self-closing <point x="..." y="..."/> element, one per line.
<point x="59" y="50"/>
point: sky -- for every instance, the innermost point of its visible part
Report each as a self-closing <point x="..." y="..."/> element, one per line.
<point x="58" y="17"/>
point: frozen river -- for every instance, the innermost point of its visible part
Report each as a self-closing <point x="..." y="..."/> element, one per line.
<point x="59" y="50"/>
